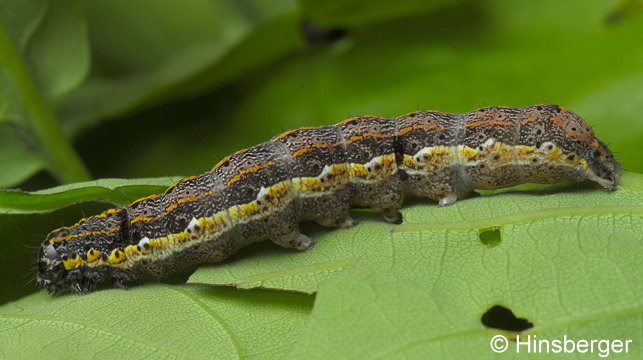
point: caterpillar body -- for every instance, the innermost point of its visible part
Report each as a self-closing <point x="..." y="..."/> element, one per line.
<point x="318" y="173"/>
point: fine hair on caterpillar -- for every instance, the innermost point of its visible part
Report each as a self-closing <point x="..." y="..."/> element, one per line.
<point x="318" y="174"/>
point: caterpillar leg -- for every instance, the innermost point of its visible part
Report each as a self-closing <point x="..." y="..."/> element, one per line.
<point x="341" y="222"/>
<point x="392" y="215"/>
<point x="294" y="240"/>
<point x="448" y="199"/>
<point x="347" y="223"/>
<point x="82" y="286"/>
<point x="121" y="284"/>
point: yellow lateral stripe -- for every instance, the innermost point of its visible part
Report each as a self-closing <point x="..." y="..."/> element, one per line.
<point x="529" y="120"/>
<point x="153" y="196"/>
<point x="352" y="139"/>
<point x="310" y="147"/>
<point x="141" y="218"/>
<point x="288" y="132"/>
<point x="403" y="131"/>
<point x="351" y="119"/>
<point x="181" y="181"/>
<point x="192" y="198"/>
<point x="87" y="233"/>
<point x="489" y="122"/>
<point x="227" y="158"/>
<point x="249" y="170"/>
<point x="83" y="220"/>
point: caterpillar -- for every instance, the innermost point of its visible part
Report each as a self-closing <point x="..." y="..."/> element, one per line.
<point x="318" y="173"/>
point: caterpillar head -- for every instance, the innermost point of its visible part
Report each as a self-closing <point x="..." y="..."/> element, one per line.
<point x="54" y="259"/>
<point x="51" y="274"/>
<point x="54" y="277"/>
<point x="603" y="168"/>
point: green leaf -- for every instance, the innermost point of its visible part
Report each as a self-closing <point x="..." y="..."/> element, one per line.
<point x="163" y="50"/>
<point x="18" y="159"/>
<point x="154" y="321"/>
<point x="42" y="55"/>
<point x="58" y="52"/>
<point x="338" y="249"/>
<point x="424" y="290"/>
<point x="143" y="53"/>
<point x="119" y="192"/>
<point x="22" y="18"/>
<point x="340" y="13"/>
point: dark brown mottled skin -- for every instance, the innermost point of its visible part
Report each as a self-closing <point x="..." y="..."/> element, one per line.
<point x="318" y="174"/>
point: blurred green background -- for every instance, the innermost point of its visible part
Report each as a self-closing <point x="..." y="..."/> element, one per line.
<point x="163" y="88"/>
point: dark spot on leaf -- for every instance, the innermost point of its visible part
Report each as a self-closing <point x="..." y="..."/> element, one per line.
<point x="500" y="317"/>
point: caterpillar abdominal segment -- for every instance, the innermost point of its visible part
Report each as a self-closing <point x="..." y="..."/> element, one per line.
<point x="318" y="173"/>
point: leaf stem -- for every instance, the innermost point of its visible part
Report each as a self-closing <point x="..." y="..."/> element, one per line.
<point x="62" y="161"/>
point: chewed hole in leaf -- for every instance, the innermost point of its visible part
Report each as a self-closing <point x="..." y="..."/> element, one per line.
<point x="500" y="317"/>
<point x="490" y="236"/>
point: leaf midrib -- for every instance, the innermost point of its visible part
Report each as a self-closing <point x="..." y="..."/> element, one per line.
<point x="244" y="281"/>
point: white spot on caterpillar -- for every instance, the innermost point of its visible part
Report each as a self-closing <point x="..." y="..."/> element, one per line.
<point x="547" y="145"/>
<point x="193" y="223"/>
<point x="325" y="171"/>
<point x="144" y="241"/>
<point x="422" y="151"/>
<point x="262" y="193"/>
<point x="374" y="161"/>
<point x="488" y="142"/>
